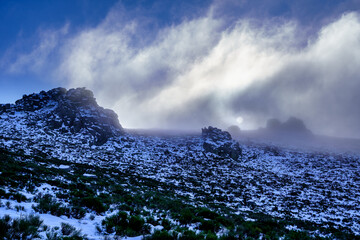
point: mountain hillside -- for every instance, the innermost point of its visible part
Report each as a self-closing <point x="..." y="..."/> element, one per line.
<point x="69" y="171"/>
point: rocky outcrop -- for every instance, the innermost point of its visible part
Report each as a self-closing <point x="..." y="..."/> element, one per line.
<point x="220" y="143"/>
<point x="293" y="127"/>
<point x="74" y="111"/>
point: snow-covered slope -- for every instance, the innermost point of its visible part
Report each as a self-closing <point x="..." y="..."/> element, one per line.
<point x="321" y="188"/>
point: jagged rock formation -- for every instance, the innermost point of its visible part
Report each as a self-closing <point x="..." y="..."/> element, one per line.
<point x="292" y="127"/>
<point x="74" y="111"/>
<point x="220" y="143"/>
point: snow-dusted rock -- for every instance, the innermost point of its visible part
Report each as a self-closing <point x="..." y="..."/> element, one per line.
<point x="71" y="111"/>
<point x="220" y="143"/>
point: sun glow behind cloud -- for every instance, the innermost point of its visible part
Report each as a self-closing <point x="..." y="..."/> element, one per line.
<point x="209" y="71"/>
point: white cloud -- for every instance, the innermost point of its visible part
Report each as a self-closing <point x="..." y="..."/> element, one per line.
<point x="127" y="77"/>
<point x="203" y="71"/>
<point x="37" y="59"/>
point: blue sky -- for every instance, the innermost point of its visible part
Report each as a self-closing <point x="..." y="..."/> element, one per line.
<point x="21" y="22"/>
<point x="191" y="63"/>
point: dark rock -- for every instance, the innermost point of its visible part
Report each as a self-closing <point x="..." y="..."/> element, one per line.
<point x="54" y="124"/>
<point x="293" y="127"/>
<point x="220" y="143"/>
<point x="75" y="110"/>
<point x="5" y="107"/>
<point x="81" y="97"/>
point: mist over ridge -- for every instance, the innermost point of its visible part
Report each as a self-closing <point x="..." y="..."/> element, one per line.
<point x="211" y="69"/>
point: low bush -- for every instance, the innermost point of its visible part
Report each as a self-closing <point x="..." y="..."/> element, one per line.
<point x="20" y="228"/>
<point x="18" y="197"/>
<point x="161" y="235"/>
<point x="297" y="235"/>
<point x="71" y="233"/>
<point x="94" y="204"/>
<point x="186" y="216"/>
<point x="124" y="225"/>
<point x="190" y="235"/>
<point x="206" y="213"/>
<point x="114" y="222"/>
<point x="136" y="223"/>
<point x="166" y="224"/>
<point x="209" y="226"/>
<point x="77" y="212"/>
<point x="48" y="204"/>
<point x="211" y="236"/>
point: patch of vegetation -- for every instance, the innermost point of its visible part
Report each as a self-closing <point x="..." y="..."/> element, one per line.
<point x="124" y="225"/>
<point x="141" y="202"/>
<point x="71" y="233"/>
<point x="162" y="235"/>
<point x="48" y="204"/>
<point x="20" y="228"/>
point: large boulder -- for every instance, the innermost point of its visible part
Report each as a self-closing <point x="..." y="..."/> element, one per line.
<point x="220" y="143"/>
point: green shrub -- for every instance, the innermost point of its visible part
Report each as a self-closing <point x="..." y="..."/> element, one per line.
<point x="211" y="236"/>
<point x="4" y="226"/>
<point x="94" y="204"/>
<point x="190" y="235"/>
<point x="161" y="235"/>
<point x="125" y="207"/>
<point x="125" y="226"/>
<point x="297" y="235"/>
<point x="166" y="224"/>
<point x="116" y="222"/>
<point x="48" y="204"/>
<point x="186" y="216"/>
<point x="209" y="226"/>
<point x="77" y="212"/>
<point x="136" y="223"/>
<point x="229" y="236"/>
<point x="19" y="197"/>
<point x="226" y="222"/>
<point x="52" y="235"/>
<point x="67" y="229"/>
<point x="71" y="233"/>
<point x="20" y="228"/>
<point x="206" y="213"/>
<point x="19" y="208"/>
